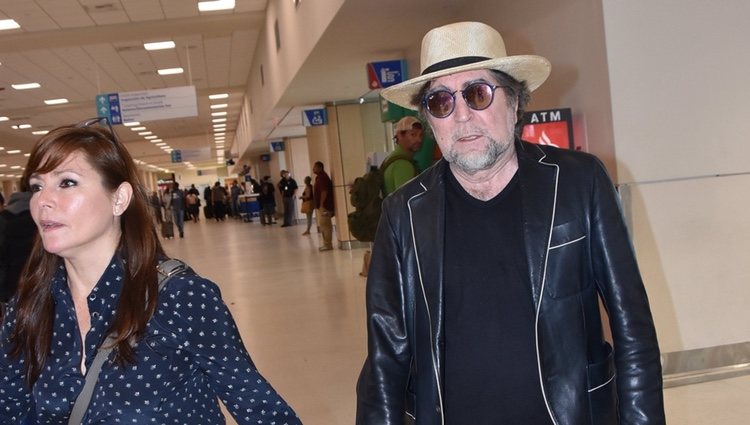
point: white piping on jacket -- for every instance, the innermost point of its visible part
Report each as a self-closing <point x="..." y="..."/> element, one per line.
<point x="541" y="291"/>
<point x="567" y="243"/>
<point x="599" y="386"/>
<point x="427" y="306"/>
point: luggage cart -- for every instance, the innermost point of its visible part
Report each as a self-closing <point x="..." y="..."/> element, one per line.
<point x="249" y="207"/>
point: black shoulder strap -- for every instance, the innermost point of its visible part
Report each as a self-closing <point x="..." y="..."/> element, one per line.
<point x="166" y="269"/>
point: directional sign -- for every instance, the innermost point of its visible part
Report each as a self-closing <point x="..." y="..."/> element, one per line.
<point x="314" y="117"/>
<point x="176" y="155"/>
<point x="108" y="105"/>
<point x="148" y="105"/>
<point x="385" y="74"/>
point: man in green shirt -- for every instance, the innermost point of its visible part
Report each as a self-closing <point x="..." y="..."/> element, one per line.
<point x="401" y="168"/>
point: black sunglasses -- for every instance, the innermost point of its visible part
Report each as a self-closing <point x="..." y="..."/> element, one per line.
<point x="102" y="122"/>
<point x="441" y="103"/>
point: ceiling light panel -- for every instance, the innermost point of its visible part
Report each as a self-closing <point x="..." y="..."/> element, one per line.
<point x="170" y="71"/>
<point x="8" y="24"/>
<point x="159" y="45"/>
<point x="210" y="6"/>
<point x="56" y="101"/>
<point x="218" y="96"/>
<point x="26" y="86"/>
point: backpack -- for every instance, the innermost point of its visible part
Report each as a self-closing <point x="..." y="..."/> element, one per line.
<point x="366" y="195"/>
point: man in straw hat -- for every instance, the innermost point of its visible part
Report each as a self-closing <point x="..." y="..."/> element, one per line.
<point x="487" y="269"/>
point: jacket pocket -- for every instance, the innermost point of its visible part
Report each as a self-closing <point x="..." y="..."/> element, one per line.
<point x="602" y="390"/>
<point x="566" y="270"/>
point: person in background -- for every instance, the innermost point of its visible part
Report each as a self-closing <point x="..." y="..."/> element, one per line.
<point x="323" y="201"/>
<point x="235" y="191"/>
<point x="307" y="204"/>
<point x="155" y="202"/>
<point x="177" y="351"/>
<point x="267" y="201"/>
<point x="193" y="203"/>
<point x="400" y="168"/>
<point x="177" y="205"/>
<point x="193" y="190"/>
<point x="288" y="189"/>
<point x="487" y="269"/>
<point x="218" y="200"/>
<point x="17" y="234"/>
<point x="208" y="209"/>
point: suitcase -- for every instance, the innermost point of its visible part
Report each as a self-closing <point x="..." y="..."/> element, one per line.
<point x="208" y="212"/>
<point x="167" y="229"/>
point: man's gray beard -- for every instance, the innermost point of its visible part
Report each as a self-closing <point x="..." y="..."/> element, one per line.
<point x="473" y="162"/>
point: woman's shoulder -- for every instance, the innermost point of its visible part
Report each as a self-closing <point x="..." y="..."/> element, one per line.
<point x="189" y="283"/>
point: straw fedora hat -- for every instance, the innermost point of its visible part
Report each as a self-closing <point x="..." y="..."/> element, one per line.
<point x="466" y="46"/>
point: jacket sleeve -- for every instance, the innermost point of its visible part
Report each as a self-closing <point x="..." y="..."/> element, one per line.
<point x="637" y="361"/>
<point x="217" y="349"/>
<point x="15" y="397"/>
<point x="381" y="388"/>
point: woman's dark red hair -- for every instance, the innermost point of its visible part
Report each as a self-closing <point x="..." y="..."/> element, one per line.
<point x="139" y="248"/>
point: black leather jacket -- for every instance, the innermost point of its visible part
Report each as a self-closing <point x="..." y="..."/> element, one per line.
<point x="578" y="249"/>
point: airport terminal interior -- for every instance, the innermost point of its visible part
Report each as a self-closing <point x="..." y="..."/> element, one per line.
<point x="228" y="90"/>
<point x="301" y="314"/>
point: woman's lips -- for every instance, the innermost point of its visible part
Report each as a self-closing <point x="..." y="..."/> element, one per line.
<point x="48" y="225"/>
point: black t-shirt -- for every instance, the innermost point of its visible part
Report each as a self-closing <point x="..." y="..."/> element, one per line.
<point x="491" y="374"/>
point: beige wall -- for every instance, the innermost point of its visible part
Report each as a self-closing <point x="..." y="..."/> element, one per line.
<point x="680" y="124"/>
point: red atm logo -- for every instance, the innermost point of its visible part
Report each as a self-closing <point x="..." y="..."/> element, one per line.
<point x="552" y="127"/>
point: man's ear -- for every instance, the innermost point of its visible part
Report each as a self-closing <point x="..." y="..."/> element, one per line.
<point x="122" y="197"/>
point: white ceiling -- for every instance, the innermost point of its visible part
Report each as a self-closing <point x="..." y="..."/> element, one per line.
<point x="77" y="49"/>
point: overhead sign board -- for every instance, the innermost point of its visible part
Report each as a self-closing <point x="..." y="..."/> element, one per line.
<point x="385" y="74"/>
<point x="148" y="105"/>
<point x="314" y="117"/>
<point x="277" y="146"/>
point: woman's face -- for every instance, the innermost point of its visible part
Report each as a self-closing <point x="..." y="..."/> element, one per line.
<point x="76" y="215"/>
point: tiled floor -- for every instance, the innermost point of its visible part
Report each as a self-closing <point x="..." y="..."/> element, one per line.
<point x="301" y="315"/>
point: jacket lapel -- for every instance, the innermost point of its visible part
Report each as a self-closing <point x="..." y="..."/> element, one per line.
<point x="538" y="198"/>
<point x="427" y="215"/>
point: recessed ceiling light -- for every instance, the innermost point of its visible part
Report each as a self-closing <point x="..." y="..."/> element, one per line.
<point x="10" y="24"/>
<point x="20" y="126"/>
<point x="151" y="137"/>
<point x="161" y="144"/>
<point x="208" y="6"/>
<point x="170" y="71"/>
<point x="145" y="133"/>
<point x="4" y="118"/>
<point x="219" y="114"/>
<point x="27" y="155"/>
<point x="219" y="106"/>
<point x="141" y="128"/>
<point x="219" y="120"/>
<point x="159" y="45"/>
<point x="56" y="101"/>
<point x="15" y="167"/>
<point x="219" y="133"/>
<point x="40" y="132"/>
<point x="26" y="86"/>
<point x="131" y="123"/>
<point x="218" y="96"/>
<point x="155" y="140"/>
<point x="13" y="152"/>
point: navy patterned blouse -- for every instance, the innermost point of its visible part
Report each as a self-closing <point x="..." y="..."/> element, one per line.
<point x="191" y="354"/>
